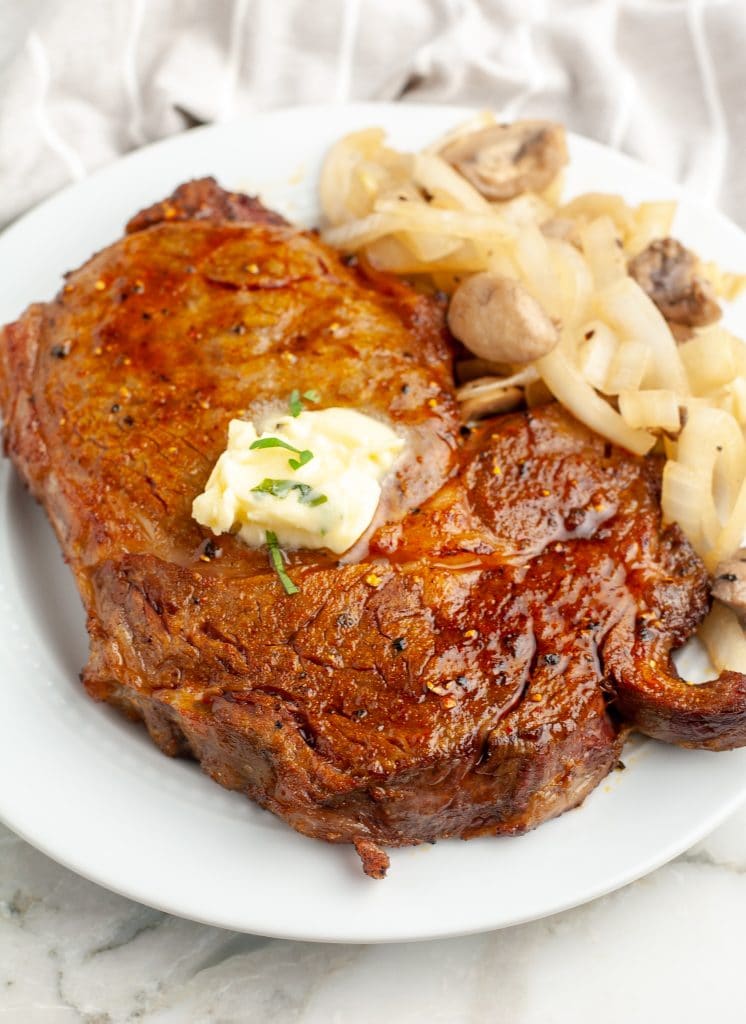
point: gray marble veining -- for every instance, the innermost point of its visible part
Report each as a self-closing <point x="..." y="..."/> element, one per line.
<point x="669" y="947"/>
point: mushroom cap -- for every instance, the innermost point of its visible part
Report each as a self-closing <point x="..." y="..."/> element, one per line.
<point x="497" y="319"/>
<point x="670" y="274"/>
<point x="504" y="160"/>
<point x="729" y="584"/>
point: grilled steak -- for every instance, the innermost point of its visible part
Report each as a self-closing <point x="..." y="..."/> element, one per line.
<point x="471" y="667"/>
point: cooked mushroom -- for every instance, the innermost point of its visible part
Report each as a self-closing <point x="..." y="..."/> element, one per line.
<point x="729" y="584"/>
<point x="498" y="320"/>
<point x="504" y="160"/>
<point x="470" y="369"/>
<point x="488" y="396"/>
<point x="669" y="274"/>
<point x="562" y="228"/>
<point x="681" y="332"/>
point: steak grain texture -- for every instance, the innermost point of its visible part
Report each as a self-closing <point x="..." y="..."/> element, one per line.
<point x="471" y="667"/>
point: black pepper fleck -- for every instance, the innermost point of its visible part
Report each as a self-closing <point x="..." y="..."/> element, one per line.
<point x="551" y="659"/>
<point x="400" y="644"/>
<point x="115" y="408"/>
<point x="211" y="550"/>
<point x="60" y="351"/>
<point x="729" y="577"/>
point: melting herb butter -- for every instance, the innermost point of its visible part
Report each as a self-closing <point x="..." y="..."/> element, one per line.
<point x="311" y="479"/>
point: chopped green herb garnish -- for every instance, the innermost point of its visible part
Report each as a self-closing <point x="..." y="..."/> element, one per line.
<point x="303" y="458"/>
<point x="277" y="488"/>
<point x="273" y="442"/>
<point x="277" y="563"/>
<point x="295" y="401"/>
<point x="281" y="488"/>
<point x="276" y="442"/>
<point x="296" y="406"/>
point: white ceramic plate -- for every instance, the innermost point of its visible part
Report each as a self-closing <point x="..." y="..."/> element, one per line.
<point x="90" y="789"/>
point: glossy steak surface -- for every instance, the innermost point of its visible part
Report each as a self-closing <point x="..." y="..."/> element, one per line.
<point x="471" y="666"/>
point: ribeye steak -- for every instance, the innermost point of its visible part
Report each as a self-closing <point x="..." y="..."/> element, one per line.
<point x="471" y="667"/>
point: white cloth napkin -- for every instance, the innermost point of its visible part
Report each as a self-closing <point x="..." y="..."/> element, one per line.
<point x="82" y="81"/>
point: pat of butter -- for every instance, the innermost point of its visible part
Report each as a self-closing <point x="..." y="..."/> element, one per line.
<point x="328" y="502"/>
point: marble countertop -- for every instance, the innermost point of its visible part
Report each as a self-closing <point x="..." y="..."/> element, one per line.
<point x="670" y="947"/>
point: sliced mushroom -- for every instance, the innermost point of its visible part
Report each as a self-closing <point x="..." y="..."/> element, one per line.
<point x="670" y="274"/>
<point x="488" y="396"/>
<point x="562" y="228"/>
<point x="504" y="160"/>
<point x="498" y="320"/>
<point x="470" y="369"/>
<point x="729" y="584"/>
<point x="681" y="332"/>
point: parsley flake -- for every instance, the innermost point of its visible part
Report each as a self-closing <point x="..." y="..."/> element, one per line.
<point x="304" y="456"/>
<point x="277" y="563"/>
<point x="295" y="402"/>
<point x="281" y="488"/>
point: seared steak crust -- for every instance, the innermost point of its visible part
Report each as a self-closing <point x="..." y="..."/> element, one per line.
<point x="471" y="667"/>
